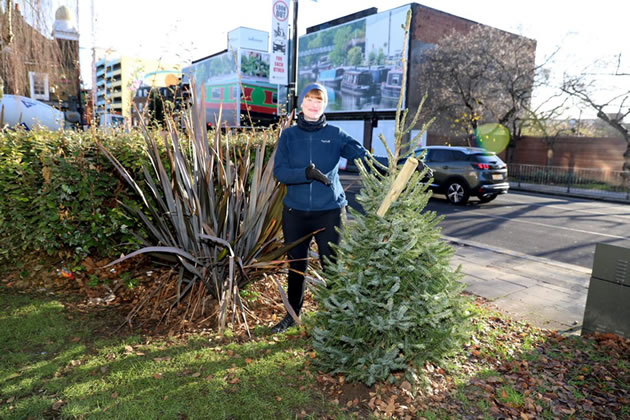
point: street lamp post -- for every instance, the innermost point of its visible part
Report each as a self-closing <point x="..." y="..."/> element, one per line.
<point x="293" y="81"/>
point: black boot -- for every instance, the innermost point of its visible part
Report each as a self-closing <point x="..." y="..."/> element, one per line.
<point x="283" y="325"/>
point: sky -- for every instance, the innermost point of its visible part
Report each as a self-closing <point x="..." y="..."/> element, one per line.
<point x="185" y="30"/>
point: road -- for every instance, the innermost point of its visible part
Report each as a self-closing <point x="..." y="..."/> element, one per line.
<point x="563" y="229"/>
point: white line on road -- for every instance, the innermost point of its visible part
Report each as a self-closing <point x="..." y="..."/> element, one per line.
<point x="574" y="210"/>
<point x="547" y="225"/>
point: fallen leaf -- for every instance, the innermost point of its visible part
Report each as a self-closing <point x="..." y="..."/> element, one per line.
<point x="196" y="374"/>
<point x="75" y="339"/>
<point x="248" y="360"/>
<point x="115" y="395"/>
<point x="391" y="407"/>
<point x="128" y="349"/>
<point x="235" y="380"/>
<point x="278" y="398"/>
<point x="157" y="375"/>
<point x="58" y="404"/>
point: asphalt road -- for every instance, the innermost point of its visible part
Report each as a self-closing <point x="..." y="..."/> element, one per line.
<point x="559" y="228"/>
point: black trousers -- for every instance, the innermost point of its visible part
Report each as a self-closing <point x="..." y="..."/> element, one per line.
<point x="296" y="224"/>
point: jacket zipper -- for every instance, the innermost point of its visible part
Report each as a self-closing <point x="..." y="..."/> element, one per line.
<point x="310" y="160"/>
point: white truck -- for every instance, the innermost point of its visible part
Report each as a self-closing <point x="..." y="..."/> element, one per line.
<point x="29" y="113"/>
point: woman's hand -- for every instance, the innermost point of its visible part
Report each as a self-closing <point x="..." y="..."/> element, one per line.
<point x="315" y="174"/>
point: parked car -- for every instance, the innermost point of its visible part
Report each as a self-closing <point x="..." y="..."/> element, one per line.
<point x="462" y="172"/>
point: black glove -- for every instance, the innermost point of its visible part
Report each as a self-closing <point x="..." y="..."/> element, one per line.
<point x="429" y="174"/>
<point x="315" y="174"/>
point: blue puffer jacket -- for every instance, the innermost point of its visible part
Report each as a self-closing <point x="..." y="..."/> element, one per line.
<point x="297" y="149"/>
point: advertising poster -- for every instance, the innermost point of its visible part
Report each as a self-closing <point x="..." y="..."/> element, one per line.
<point x="218" y="76"/>
<point x="359" y="62"/>
<point x="279" y="46"/>
<point x="259" y="96"/>
<point x="237" y="82"/>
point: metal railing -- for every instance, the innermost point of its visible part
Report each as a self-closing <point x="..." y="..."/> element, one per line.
<point x="594" y="183"/>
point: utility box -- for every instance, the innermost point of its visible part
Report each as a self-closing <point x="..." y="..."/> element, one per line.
<point x="608" y="300"/>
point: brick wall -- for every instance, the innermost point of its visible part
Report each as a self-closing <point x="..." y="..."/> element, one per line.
<point x="431" y="25"/>
<point x="577" y="152"/>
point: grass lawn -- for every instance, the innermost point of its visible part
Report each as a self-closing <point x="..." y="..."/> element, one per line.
<point x="57" y="363"/>
<point x="59" y="360"/>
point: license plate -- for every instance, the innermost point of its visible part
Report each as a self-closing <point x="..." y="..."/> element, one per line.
<point x="497" y="176"/>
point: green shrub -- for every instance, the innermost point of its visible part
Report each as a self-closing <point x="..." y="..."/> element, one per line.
<point x="62" y="196"/>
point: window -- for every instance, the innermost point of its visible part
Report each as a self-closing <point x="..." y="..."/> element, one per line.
<point x="39" y="85"/>
<point x="440" y="155"/>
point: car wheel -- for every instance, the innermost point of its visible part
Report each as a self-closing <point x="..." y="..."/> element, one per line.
<point x="486" y="198"/>
<point x="457" y="193"/>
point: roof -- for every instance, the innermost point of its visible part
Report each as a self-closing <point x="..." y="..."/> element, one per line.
<point x="467" y="150"/>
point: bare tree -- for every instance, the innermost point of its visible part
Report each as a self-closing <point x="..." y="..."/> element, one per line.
<point x="611" y="108"/>
<point x="486" y="75"/>
<point x="547" y="120"/>
<point x="23" y="48"/>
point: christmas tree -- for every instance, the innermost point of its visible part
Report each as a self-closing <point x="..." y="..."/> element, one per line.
<point x="392" y="300"/>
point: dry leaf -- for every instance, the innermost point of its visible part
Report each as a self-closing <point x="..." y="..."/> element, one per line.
<point x="115" y="395"/>
<point x="196" y="374"/>
<point x="128" y="349"/>
<point x="57" y="405"/>
<point x="391" y="407"/>
<point x="279" y="398"/>
<point x="157" y="375"/>
<point x="75" y="339"/>
<point x="248" y="360"/>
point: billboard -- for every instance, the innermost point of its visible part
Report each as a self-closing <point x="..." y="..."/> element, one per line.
<point x="237" y="82"/>
<point x="217" y="75"/>
<point x="359" y="62"/>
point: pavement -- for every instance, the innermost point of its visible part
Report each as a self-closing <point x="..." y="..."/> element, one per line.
<point x="548" y="294"/>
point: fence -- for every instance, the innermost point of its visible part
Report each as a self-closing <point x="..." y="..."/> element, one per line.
<point x="594" y="183"/>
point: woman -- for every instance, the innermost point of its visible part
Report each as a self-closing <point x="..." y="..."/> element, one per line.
<point x="307" y="161"/>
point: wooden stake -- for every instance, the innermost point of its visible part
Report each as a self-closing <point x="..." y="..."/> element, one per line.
<point x="399" y="185"/>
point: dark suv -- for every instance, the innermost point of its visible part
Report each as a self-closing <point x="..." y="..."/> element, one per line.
<point x="461" y="172"/>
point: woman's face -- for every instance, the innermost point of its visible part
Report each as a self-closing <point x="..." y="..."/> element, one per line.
<point x="312" y="107"/>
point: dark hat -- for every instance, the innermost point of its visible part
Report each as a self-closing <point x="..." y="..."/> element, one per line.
<point x="314" y="86"/>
